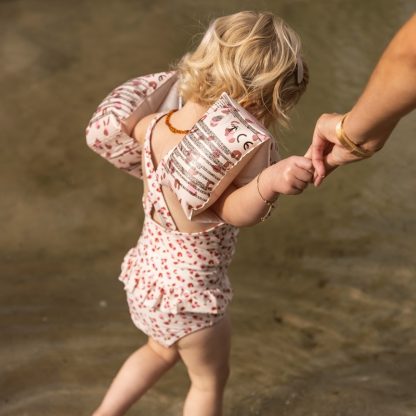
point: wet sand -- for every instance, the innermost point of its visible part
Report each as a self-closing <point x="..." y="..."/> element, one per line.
<point x="324" y="310"/>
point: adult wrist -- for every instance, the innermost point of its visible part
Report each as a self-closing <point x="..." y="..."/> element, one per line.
<point x="350" y="143"/>
<point x="369" y="138"/>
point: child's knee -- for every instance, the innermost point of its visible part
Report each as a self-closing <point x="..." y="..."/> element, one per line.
<point x="211" y="381"/>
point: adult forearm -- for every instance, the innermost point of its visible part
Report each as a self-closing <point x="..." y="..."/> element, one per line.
<point x="390" y="93"/>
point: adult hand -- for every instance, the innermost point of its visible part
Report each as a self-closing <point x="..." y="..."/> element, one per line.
<point x="326" y="151"/>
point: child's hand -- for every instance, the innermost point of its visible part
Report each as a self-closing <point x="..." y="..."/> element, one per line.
<point x="291" y="176"/>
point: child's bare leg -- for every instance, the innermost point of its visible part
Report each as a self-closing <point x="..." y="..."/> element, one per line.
<point x="138" y="373"/>
<point x="206" y="356"/>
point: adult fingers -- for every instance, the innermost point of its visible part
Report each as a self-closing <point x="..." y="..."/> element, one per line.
<point x="338" y="157"/>
<point x="323" y="139"/>
<point x="331" y="162"/>
<point x="317" y="151"/>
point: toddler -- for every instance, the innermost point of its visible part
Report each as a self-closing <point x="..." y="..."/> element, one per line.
<point x="208" y="168"/>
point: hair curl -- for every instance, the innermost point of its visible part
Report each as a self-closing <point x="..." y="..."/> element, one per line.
<point x="254" y="57"/>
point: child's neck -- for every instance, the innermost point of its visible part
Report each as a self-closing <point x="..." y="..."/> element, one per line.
<point x="190" y="113"/>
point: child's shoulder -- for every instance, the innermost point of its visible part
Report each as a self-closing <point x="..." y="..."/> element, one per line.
<point x="141" y="127"/>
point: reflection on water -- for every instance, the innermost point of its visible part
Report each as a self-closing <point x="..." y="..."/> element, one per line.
<point x="324" y="315"/>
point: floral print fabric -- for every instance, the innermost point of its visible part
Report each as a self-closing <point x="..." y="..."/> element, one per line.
<point x="109" y="131"/>
<point x="176" y="282"/>
<point x="207" y="159"/>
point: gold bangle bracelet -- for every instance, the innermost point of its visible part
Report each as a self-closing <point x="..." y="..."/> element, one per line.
<point x="348" y="143"/>
<point x="269" y="203"/>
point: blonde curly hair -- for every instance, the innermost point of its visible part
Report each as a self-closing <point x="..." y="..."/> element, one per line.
<point x="255" y="57"/>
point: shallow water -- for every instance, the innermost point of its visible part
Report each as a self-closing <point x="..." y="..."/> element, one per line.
<point x="324" y="311"/>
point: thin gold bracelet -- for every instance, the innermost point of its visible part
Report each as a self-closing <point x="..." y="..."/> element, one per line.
<point x="348" y="143"/>
<point x="269" y="203"/>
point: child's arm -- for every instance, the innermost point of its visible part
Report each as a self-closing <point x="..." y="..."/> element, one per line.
<point x="140" y="129"/>
<point x="109" y="131"/>
<point x="244" y="206"/>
